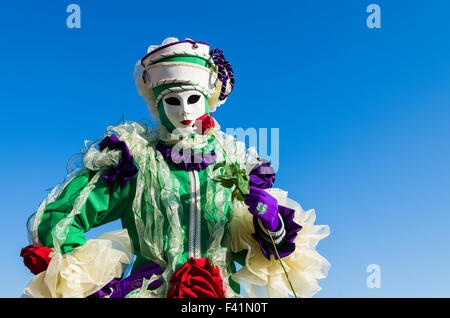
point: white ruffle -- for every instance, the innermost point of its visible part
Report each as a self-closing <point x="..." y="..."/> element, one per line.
<point x="263" y="278"/>
<point x="84" y="270"/>
<point x="237" y="151"/>
<point x="96" y="159"/>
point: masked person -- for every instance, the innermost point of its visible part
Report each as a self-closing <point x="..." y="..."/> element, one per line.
<point x="177" y="190"/>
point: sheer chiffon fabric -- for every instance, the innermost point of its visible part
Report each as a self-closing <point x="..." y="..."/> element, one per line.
<point x="90" y="267"/>
<point x="261" y="277"/>
<point x="84" y="270"/>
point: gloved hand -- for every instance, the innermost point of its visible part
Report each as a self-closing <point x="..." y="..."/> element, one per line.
<point x="263" y="206"/>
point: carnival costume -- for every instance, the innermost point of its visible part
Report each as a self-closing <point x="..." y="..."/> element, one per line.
<point x="183" y="219"/>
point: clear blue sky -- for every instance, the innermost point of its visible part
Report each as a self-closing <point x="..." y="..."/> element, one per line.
<point x="363" y="116"/>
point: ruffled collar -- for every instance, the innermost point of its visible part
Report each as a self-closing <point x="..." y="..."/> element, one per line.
<point x="195" y="141"/>
<point x="188" y="159"/>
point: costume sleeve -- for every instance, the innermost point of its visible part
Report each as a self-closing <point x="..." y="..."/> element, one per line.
<point x="263" y="177"/>
<point x="263" y="276"/>
<point x="100" y="192"/>
<point x="104" y="204"/>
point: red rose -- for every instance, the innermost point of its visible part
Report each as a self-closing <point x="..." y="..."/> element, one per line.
<point x="36" y="258"/>
<point x="203" y="123"/>
<point x="197" y="278"/>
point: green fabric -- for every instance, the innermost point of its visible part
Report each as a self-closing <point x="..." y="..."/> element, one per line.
<point x="184" y="192"/>
<point x="104" y="204"/>
<point x="186" y="58"/>
<point x="163" y="117"/>
<point x="107" y="203"/>
<point x="159" y="89"/>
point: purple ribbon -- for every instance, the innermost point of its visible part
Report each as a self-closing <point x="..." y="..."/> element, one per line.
<point x="196" y="161"/>
<point x="120" y="288"/>
<point x="225" y="72"/>
<point x="262" y="176"/>
<point x="286" y="247"/>
<point x="126" y="170"/>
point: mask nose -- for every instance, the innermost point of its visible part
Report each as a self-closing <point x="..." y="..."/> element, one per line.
<point x="190" y="102"/>
<point x="185" y="110"/>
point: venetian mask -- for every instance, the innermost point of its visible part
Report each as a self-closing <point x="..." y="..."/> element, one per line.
<point x="179" y="110"/>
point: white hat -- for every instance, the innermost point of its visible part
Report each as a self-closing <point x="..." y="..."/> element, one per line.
<point x="183" y="65"/>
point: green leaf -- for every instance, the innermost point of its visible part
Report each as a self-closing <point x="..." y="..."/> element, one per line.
<point x="243" y="184"/>
<point x="228" y="178"/>
<point x="225" y="182"/>
<point x="220" y="165"/>
<point x="231" y="170"/>
<point x="244" y="174"/>
<point x="237" y="195"/>
<point x="233" y="176"/>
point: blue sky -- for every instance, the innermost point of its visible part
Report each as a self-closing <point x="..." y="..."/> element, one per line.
<point x="363" y="116"/>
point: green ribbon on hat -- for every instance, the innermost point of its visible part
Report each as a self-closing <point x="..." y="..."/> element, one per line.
<point x="186" y="58"/>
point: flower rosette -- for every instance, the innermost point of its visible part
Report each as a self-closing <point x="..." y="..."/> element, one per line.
<point x="262" y="176"/>
<point x="125" y="170"/>
<point x="197" y="278"/>
<point x="36" y="258"/>
<point x="203" y="124"/>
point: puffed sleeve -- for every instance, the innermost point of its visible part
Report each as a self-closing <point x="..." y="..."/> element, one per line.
<point x="262" y="176"/>
<point x="261" y="276"/>
<point x="99" y="194"/>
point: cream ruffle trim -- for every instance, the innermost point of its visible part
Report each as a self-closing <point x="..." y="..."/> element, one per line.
<point x="263" y="278"/>
<point x="84" y="270"/>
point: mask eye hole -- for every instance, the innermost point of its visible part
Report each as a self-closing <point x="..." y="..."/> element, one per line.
<point x="193" y="99"/>
<point x="173" y="101"/>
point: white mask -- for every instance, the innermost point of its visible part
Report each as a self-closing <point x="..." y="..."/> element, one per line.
<point x="183" y="108"/>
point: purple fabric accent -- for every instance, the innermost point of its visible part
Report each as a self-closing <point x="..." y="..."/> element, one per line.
<point x="263" y="206"/>
<point x="126" y="170"/>
<point x="120" y="288"/>
<point x="263" y="176"/>
<point x="196" y="161"/>
<point x="194" y="43"/>
<point x="287" y="246"/>
<point x="225" y="71"/>
<point x="106" y="290"/>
